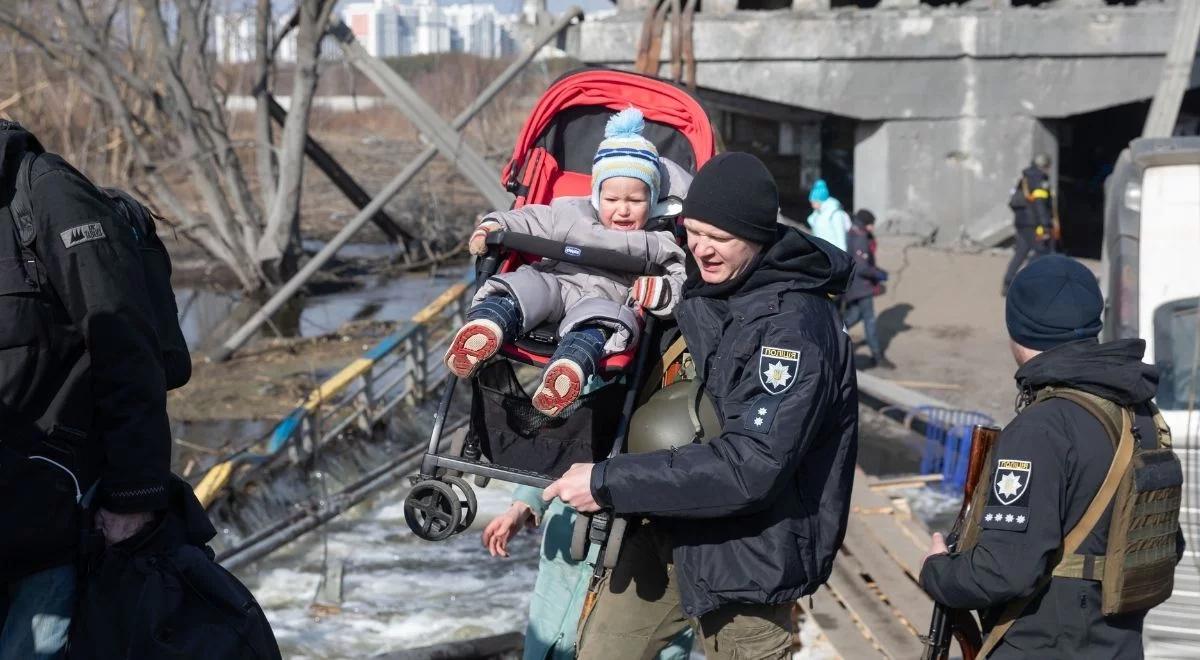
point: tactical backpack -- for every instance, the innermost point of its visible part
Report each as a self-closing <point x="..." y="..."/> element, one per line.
<point x="1137" y="570"/>
<point x="1145" y="487"/>
<point x="156" y="268"/>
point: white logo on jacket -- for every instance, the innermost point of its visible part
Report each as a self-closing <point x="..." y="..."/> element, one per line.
<point x="777" y="368"/>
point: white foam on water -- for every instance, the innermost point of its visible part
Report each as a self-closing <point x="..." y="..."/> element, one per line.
<point x="813" y="643"/>
<point x="933" y="506"/>
<point x="397" y="591"/>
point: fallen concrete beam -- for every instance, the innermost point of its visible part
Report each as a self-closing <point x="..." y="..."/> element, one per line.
<point x="994" y="235"/>
<point x="896" y="402"/>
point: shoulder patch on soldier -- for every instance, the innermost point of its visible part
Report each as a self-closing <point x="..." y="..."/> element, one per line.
<point x="777" y="368"/>
<point x="93" y="231"/>
<point x="1010" y="482"/>
<point x="760" y="413"/>
<point x="1008" y="518"/>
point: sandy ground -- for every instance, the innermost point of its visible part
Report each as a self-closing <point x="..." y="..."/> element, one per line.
<point x="941" y="322"/>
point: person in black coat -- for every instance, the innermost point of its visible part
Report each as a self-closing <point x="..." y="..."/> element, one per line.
<point x="1055" y="456"/>
<point x="742" y="526"/>
<point x="82" y="392"/>
<point x="1033" y="216"/>
<point x="859" y="301"/>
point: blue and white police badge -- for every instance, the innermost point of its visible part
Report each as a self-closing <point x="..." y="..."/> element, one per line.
<point x="777" y="368"/>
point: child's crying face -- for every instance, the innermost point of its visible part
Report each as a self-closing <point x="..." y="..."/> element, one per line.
<point x="624" y="203"/>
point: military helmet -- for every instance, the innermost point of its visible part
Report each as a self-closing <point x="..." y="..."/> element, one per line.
<point x="674" y="416"/>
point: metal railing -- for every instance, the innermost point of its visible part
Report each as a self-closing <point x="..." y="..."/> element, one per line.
<point x="405" y="367"/>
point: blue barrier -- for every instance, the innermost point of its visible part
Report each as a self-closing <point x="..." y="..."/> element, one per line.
<point x="948" y="442"/>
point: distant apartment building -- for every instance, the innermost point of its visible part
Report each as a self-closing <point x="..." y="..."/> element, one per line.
<point x="386" y="28"/>
<point x="392" y="28"/>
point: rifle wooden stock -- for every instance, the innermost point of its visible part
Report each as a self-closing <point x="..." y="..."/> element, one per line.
<point x="946" y="622"/>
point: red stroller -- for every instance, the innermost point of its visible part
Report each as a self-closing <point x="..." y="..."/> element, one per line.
<point x="553" y="158"/>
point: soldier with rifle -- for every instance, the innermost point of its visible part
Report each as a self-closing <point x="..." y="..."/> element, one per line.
<point x="1072" y="528"/>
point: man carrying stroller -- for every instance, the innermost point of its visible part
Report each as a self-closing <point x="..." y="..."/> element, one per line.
<point x="742" y="526"/>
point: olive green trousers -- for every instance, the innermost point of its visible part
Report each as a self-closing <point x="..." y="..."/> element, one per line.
<point x="638" y="611"/>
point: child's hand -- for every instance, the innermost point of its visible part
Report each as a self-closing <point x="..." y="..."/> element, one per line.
<point x="501" y="529"/>
<point x="651" y="292"/>
<point x="477" y="243"/>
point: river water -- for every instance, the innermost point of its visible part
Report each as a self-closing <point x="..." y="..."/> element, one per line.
<point x="398" y="591"/>
<point x="207" y="316"/>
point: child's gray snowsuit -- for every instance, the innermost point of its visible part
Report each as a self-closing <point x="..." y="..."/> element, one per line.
<point x="573" y="295"/>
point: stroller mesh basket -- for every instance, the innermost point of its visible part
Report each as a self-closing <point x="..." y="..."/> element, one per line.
<point x="513" y="434"/>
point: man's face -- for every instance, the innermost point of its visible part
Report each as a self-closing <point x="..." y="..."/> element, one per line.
<point x="720" y="255"/>
<point x="624" y="203"/>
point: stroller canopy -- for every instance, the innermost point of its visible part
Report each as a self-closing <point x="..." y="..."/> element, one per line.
<point x="553" y="154"/>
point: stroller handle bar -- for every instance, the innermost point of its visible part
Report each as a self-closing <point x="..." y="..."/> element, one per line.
<point x="591" y="257"/>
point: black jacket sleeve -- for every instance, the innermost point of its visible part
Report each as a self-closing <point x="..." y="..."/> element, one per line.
<point x="1023" y="520"/>
<point x="91" y="261"/>
<point x="743" y="469"/>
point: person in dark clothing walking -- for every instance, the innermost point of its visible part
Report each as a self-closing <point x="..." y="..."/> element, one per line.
<point x="82" y="394"/>
<point x="732" y="532"/>
<point x="1033" y="216"/>
<point x="859" y="301"/>
<point x="1049" y="465"/>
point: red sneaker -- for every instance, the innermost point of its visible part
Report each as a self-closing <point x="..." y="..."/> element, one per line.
<point x="475" y="343"/>
<point x="561" y="385"/>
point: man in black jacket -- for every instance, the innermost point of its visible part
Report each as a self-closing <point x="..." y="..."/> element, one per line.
<point x="741" y="527"/>
<point x="1033" y="216"/>
<point x="1056" y="455"/>
<point x="82" y="398"/>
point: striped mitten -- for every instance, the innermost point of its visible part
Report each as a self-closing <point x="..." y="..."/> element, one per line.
<point x="651" y="292"/>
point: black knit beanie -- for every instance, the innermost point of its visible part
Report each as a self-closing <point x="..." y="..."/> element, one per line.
<point x="735" y="192"/>
<point x="1052" y="301"/>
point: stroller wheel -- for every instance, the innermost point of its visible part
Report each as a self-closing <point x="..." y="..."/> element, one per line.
<point x="432" y="510"/>
<point x="467" y="503"/>
<point x="579" y="537"/>
<point x="613" y="548"/>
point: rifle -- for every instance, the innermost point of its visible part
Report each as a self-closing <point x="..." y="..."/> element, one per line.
<point x="947" y="622"/>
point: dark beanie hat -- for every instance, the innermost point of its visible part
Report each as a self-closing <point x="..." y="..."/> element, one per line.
<point x="735" y="192"/>
<point x="1052" y="301"/>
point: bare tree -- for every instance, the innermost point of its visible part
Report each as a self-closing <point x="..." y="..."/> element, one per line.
<point x="149" y="65"/>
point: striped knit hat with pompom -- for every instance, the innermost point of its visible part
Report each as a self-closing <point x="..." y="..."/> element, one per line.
<point x="624" y="152"/>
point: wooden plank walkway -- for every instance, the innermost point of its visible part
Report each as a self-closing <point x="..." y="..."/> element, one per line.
<point x="872" y="606"/>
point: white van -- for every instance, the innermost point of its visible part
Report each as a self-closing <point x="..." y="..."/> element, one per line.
<point x="1151" y="279"/>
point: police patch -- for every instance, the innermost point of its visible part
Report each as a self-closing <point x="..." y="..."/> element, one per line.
<point x="93" y="231"/>
<point x="760" y="413"/>
<point x="777" y="368"/>
<point x="1010" y="481"/>
<point x="1010" y="519"/>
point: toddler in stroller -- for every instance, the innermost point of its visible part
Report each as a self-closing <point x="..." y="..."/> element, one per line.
<point x="595" y="310"/>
